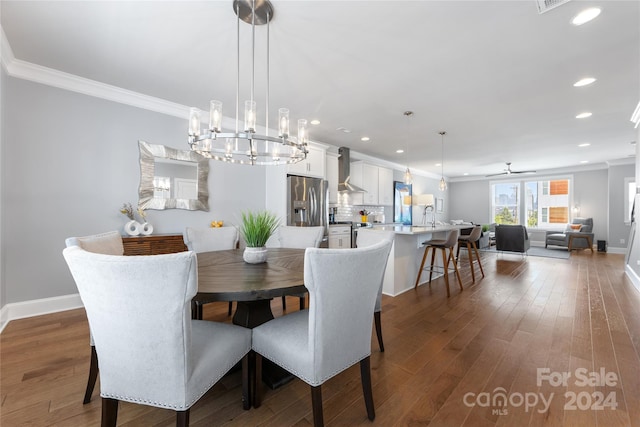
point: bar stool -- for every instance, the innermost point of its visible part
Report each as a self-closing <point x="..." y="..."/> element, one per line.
<point x="471" y="242"/>
<point x="442" y="244"/>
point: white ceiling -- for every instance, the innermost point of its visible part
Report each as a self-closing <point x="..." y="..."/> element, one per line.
<point x="496" y="75"/>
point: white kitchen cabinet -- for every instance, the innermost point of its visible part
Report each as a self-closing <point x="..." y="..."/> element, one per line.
<point x="332" y="177"/>
<point x="375" y="180"/>
<point x="313" y="165"/>
<point x="385" y="186"/>
<point x="339" y="236"/>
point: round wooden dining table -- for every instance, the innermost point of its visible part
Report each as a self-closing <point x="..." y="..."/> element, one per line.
<point x="225" y="276"/>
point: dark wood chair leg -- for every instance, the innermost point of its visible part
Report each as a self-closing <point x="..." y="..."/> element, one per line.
<point x="365" y="375"/>
<point x="109" y="412"/>
<point x="93" y="375"/>
<point x="230" y="308"/>
<point x="316" y="402"/>
<point x="284" y="303"/>
<point x="256" y="378"/>
<point x="246" y="392"/>
<point x="302" y="303"/>
<point x="378" y="322"/>
<point x="182" y="418"/>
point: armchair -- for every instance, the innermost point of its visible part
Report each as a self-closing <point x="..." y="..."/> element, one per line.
<point x="335" y="332"/>
<point x="150" y="351"/>
<point x="512" y="238"/>
<point x="577" y="235"/>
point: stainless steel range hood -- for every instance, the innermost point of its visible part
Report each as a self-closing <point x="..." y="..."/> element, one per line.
<point x="344" y="172"/>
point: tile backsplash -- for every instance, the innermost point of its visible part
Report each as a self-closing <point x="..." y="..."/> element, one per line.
<point x="351" y="213"/>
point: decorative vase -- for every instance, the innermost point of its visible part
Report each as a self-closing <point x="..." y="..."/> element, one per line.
<point x="255" y="255"/>
<point x="364" y="218"/>
<point x="146" y="229"/>
<point x="132" y="228"/>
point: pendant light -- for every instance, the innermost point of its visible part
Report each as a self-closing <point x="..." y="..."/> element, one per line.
<point x="443" y="183"/>
<point x="408" y="178"/>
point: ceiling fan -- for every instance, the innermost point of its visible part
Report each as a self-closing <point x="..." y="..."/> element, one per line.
<point x="508" y="171"/>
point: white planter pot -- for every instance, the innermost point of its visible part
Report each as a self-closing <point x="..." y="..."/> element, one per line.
<point x="132" y="228"/>
<point x="146" y="229"/>
<point x="255" y="255"/>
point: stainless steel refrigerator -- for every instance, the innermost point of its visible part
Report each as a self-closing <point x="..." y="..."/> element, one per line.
<point x="307" y="203"/>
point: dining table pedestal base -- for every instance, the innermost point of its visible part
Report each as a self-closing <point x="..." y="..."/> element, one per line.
<point x="250" y="314"/>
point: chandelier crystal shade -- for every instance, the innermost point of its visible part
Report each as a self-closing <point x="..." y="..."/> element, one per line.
<point x="443" y="183"/>
<point x="248" y="146"/>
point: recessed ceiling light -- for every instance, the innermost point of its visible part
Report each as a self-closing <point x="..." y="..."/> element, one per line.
<point x="438" y="164"/>
<point x="584" y="82"/>
<point x="583" y="115"/>
<point x="400" y="151"/>
<point x="466" y="173"/>
<point x="585" y="16"/>
<point x="364" y="138"/>
<point x="584" y="144"/>
<point x="584" y="161"/>
<point x="315" y="122"/>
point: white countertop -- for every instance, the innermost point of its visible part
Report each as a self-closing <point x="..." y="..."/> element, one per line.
<point x="418" y="229"/>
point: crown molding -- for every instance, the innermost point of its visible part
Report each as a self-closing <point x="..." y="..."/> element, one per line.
<point x="48" y="76"/>
<point x="635" y="117"/>
<point x="6" y="53"/>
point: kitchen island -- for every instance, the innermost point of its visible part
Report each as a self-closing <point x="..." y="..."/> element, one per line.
<point x="406" y="254"/>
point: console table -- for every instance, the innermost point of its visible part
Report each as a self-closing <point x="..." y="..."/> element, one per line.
<point x="155" y="244"/>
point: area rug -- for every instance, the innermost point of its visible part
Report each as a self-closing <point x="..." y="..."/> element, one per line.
<point x="538" y="251"/>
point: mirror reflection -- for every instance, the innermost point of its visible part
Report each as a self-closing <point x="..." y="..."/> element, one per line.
<point x="172" y="179"/>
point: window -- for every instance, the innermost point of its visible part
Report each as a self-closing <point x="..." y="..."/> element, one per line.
<point x="543" y="203"/>
<point x="506" y="203"/>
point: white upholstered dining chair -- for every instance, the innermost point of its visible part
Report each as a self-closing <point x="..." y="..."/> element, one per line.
<point x="151" y="352"/>
<point x="368" y="237"/>
<point x="209" y="240"/>
<point x="109" y="243"/>
<point x="335" y="332"/>
<point x="296" y="238"/>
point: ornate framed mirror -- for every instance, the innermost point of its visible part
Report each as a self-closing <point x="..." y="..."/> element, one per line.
<point x="172" y="179"/>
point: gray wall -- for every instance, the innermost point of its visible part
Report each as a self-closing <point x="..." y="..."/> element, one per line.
<point x="422" y="185"/>
<point x="471" y="201"/>
<point x="592" y="191"/>
<point x="3" y="287"/>
<point x="72" y="161"/>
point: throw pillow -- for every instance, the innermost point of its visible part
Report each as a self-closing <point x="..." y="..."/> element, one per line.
<point x="575" y="227"/>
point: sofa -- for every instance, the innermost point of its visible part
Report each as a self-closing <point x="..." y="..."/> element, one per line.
<point x="512" y="238"/>
<point x="579" y="227"/>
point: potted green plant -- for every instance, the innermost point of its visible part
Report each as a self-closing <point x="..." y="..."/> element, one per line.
<point x="256" y="228"/>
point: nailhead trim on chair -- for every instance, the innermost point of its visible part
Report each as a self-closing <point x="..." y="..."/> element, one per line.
<point x="322" y="380"/>
<point x="168" y="405"/>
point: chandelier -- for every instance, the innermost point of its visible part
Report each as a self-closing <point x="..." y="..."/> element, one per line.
<point x="248" y="146"/>
<point x="443" y="183"/>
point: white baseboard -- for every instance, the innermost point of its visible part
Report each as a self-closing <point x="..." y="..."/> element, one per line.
<point x="20" y="310"/>
<point x="614" y="250"/>
<point x="633" y="277"/>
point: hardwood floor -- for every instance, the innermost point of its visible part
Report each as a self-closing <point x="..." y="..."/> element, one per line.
<point x="446" y="362"/>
